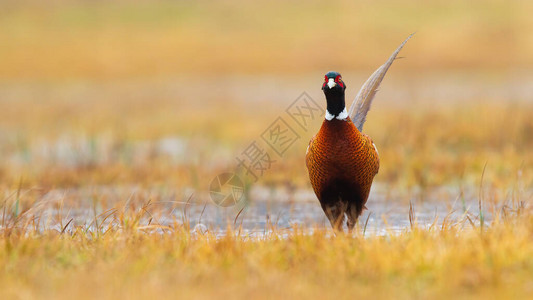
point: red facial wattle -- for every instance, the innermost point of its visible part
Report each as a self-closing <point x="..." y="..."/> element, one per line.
<point x="339" y="81"/>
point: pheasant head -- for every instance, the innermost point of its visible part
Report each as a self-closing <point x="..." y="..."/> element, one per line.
<point x="333" y="88"/>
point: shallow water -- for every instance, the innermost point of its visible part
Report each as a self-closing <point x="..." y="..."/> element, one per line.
<point x="388" y="212"/>
<point x="382" y="216"/>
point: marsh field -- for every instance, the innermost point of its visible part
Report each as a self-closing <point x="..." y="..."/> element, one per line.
<point x="116" y="116"/>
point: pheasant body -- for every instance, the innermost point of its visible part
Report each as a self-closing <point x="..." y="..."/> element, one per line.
<point x="342" y="163"/>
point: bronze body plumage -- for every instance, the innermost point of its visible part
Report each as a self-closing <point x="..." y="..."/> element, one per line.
<point x="341" y="160"/>
<point x="342" y="163"/>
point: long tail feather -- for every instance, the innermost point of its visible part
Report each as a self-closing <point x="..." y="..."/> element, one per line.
<point x="363" y="100"/>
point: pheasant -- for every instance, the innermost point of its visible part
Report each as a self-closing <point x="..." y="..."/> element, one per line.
<point x="341" y="160"/>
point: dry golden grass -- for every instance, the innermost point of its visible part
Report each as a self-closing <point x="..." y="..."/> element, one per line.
<point x="128" y="256"/>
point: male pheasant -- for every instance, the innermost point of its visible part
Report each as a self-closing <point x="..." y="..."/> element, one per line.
<point x="341" y="160"/>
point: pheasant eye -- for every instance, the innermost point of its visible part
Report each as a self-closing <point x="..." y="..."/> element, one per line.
<point x="337" y="78"/>
<point x="326" y="78"/>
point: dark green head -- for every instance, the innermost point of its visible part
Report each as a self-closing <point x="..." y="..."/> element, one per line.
<point x="332" y="74"/>
<point x="333" y="80"/>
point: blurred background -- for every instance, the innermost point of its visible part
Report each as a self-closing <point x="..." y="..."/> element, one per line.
<point x="166" y="94"/>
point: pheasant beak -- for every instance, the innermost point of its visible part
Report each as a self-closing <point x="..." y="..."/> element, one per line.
<point x="331" y="83"/>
